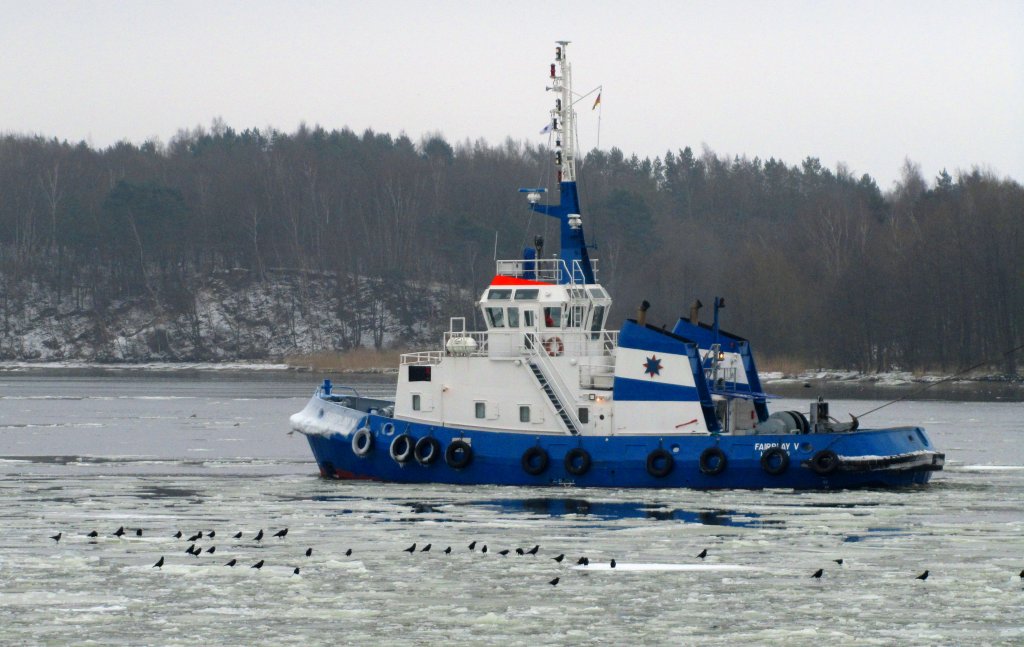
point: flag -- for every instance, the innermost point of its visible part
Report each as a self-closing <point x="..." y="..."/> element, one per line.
<point x="546" y="129"/>
<point x="597" y="101"/>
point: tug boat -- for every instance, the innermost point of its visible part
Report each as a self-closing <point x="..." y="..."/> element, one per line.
<point x="547" y="395"/>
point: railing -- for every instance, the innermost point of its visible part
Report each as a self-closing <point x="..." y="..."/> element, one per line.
<point x="514" y="343"/>
<point x="423" y="357"/>
<point x="563" y="394"/>
<point x="551" y="270"/>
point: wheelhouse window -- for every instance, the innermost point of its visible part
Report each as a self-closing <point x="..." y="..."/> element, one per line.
<point x="480" y="409"/>
<point x="495" y="317"/>
<point x="499" y="295"/>
<point x="513" y="317"/>
<point x="597" y="319"/>
<point x="528" y="318"/>
<point x="597" y="293"/>
<point x="526" y="295"/>
<point x="576" y="316"/>
<point x="419" y="373"/>
<point x="553" y="317"/>
<point x="524" y="413"/>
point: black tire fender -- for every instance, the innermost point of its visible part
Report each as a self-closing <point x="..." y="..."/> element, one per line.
<point x="577" y="461"/>
<point x="660" y="463"/>
<point x="402" y="448"/>
<point x="775" y="461"/>
<point x="712" y="461"/>
<point x="459" y="454"/>
<point x="535" y="460"/>
<point x="427" y="450"/>
<point x="362" y="442"/>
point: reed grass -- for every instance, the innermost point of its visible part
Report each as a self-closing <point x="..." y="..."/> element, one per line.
<point x="354" y="361"/>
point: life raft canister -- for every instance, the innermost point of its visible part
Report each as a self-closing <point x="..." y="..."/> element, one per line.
<point x="458" y="455"/>
<point x="660" y="463"/>
<point x="535" y="460"/>
<point x="577" y="461"/>
<point x="775" y="461"/>
<point x="553" y="346"/>
<point x="712" y="461"/>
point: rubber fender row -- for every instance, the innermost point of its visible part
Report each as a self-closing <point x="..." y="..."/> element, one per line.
<point x="426" y="450"/>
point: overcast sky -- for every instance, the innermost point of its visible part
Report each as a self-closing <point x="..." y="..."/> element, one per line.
<point x="865" y="84"/>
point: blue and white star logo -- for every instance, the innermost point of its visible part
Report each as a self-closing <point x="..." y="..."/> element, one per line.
<point x="653" y="366"/>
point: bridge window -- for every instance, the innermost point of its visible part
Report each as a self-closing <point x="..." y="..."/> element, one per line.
<point x="513" y="317"/>
<point x="597" y="293"/>
<point x="575" y="317"/>
<point x="419" y="373"/>
<point x="526" y="295"/>
<point x="553" y="317"/>
<point x="597" y="320"/>
<point x="495" y="317"/>
<point x="499" y="294"/>
<point x="528" y="318"/>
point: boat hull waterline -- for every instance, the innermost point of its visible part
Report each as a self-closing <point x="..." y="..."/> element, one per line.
<point x="896" y="457"/>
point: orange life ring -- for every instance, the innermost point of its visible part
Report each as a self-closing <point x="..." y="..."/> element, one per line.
<point x="554" y="346"/>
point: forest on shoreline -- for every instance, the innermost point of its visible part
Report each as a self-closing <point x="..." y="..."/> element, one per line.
<point x="815" y="264"/>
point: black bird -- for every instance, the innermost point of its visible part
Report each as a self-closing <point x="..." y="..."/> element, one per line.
<point x="348" y="552"/>
<point x="296" y="571"/>
<point x="159" y="563"/>
<point x="554" y="582"/>
<point x="56" y="537"/>
<point x="138" y="532"/>
<point x="472" y="546"/>
<point x="93" y="534"/>
<point x="177" y="535"/>
<point x="484" y="549"/>
<point x="1022" y="575"/>
<point x="581" y="560"/>
<point x="212" y="534"/>
<point x="238" y="535"/>
<point x="191" y="549"/>
<point x="533" y="551"/>
<point x="503" y="552"/>
<point x="232" y="562"/>
<point x="559" y="558"/>
<point x="838" y="561"/>
<point x="195" y="537"/>
<point x="520" y="551"/>
<point x="426" y="549"/>
<point x="211" y="549"/>
<point x="259" y="535"/>
<point x="309" y="551"/>
<point x="410" y="549"/>
<point x="923" y="576"/>
<point x="612" y="563"/>
<point x="703" y="553"/>
<point x="586" y="561"/>
<point x="119" y="531"/>
<point x="447" y="551"/>
<point x="818" y="573"/>
<point x="281" y="533"/>
<point x="258" y="565"/>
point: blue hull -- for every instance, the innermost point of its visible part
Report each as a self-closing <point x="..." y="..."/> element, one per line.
<point x="896" y="457"/>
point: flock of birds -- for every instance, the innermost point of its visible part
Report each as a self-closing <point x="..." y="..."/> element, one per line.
<point x="195" y="550"/>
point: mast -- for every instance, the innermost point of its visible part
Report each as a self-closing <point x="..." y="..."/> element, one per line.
<point x="573" y="252"/>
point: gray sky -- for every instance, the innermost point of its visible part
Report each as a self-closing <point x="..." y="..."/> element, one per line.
<point x="866" y="84"/>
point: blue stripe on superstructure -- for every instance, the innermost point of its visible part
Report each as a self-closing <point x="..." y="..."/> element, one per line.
<point x="625" y="388"/>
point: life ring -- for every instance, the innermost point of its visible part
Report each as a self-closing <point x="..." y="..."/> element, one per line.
<point x="402" y="448"/>
<point x="535" y="460"/>
<point x="712" y="461"/>
<point x="427" y="450"/>
<point x="825" y="462"/>
<point x="660" y="463"/>
<point x="553" y="346"/>
<point x="459" y="454"/>
<point x="577" y="461"/>
<point x="362" y="442"/>
<point x="775" y="461"/>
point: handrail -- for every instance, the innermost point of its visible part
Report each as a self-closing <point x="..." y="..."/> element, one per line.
<point x="554" y="378"/>
<point x="546" y="269"/>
